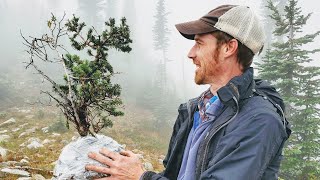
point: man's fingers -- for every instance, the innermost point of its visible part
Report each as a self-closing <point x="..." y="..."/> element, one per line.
<point x="100" y="158"/>
<point x="107" y="178"/>
<point x="109" y="154"/>
<point x="99" y="169"/>
<point x="127" y="153"/>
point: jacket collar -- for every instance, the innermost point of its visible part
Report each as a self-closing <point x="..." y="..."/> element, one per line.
<point x="238" y="88"/>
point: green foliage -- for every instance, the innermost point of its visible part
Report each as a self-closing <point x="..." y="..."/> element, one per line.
<point x="91" y="79"/>
<point x="284" y="65"/>
<point x="87" y="89"/>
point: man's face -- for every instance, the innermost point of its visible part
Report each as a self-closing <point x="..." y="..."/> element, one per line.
<point x="205" y="55"/>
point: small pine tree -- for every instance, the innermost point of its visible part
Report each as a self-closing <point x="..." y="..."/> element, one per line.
<point x="285" y="65"/>
<point x="87" y="97"/>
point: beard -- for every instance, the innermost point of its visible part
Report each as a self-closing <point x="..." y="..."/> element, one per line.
<point x="199" y="76"/>
<point x="206" y="71"/>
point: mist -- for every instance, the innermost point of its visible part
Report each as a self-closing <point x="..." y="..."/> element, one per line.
<point x="155" y="77"/>
<point x="30" y="17"/>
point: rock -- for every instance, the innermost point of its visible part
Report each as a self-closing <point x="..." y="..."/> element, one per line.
<point x="33" y="139"/>
<point x="34" y="143"/>
<point x="25" y="110"/>
<point x="148" y="166"/>
<point x="8" y="164"/>
<point x="23" y="125"/>
<point x="47" y="141"/>
<point x="19" y="164"/>
<point x="26" y="158"/>
<point x="124" y="146"/>
<point x="24" y="178"/>
<point x="16" y="172"/>
<point x="160" y="161"/>
<point x="55" y="134"/>
<point x="32" y="130"/>
<point x="45" y="129"/>
<point x="22" y="134"/>
<point x="4" y="138"/>
<point x="29" y="116"/>
<point x="3" y="153"/>
<point x="23" y="162"/>
<point x="28" y="132"/>
<point x="4" y="131"/>
<point x="15" y="130"/>
<point x="8" y="122"/>
<point x="74" y="157"/>
<point x="38" y="177"/>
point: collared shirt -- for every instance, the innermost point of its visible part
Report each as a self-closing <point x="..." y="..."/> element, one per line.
<point x="210" y="109"/>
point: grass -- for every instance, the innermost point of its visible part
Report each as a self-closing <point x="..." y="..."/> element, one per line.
<point x="135" y="129"/>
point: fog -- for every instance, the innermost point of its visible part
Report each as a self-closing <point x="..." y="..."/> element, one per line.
<point x="135" y="68"/>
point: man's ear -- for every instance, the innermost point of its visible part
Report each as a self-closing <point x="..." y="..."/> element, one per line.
<point x="231" y="48"/>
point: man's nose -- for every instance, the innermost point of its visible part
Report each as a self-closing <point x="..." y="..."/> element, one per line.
<point x="192" y="53"/>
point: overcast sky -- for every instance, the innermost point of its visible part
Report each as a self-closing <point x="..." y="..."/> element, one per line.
<point x="30" y="15"/>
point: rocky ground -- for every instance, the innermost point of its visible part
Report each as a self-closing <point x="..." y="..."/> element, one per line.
<point x="31" y="140"/>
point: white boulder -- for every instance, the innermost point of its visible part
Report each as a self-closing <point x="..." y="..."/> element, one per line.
<point x="3" y="152"/>
<point x="4" y="131"/>
<point x="45" y="129"/>
<point x="10" y="121"/>
<point x="74" y="157"/>
<point x="16" y="172"/>
<point x="34" y="143"/>
<point x="27" y="132"/>
<point x="15" y="129"/>
<point x="148" y="166"/>
<point x="47" y="141"/>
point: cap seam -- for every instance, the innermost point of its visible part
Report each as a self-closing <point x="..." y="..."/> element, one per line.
<point x="207" y="23"/>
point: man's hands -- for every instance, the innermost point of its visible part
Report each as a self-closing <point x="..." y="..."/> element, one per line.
<point x="126" y="165"/>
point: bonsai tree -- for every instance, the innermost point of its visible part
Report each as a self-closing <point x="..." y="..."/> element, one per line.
<point x="86" y="96"/>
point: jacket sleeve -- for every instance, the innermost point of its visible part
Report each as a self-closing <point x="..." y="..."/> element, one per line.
<point x="149" y="175"/>
<point x="246" y="148"/>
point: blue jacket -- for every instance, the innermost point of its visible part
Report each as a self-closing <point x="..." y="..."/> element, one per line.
<point x="246" y="138"/>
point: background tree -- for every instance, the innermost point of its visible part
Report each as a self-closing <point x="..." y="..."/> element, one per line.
<point x="161" y="97"/>
<point x="268" y="22"/>
<point x="285" y="65"/>
<point x="160" y="30"/>
<point x="86" y="95"/>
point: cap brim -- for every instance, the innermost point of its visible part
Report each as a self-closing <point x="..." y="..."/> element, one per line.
<point x="190" y="29"/>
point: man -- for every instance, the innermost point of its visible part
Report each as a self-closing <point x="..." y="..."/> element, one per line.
<point x="234" y="130"/>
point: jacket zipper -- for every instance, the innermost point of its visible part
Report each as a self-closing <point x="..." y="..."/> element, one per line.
<point x="215" y="131"/>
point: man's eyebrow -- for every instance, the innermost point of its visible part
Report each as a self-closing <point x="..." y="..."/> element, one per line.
<point x="197" y="39"/>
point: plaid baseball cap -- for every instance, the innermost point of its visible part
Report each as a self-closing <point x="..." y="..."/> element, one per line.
<point x="238" y="21"/>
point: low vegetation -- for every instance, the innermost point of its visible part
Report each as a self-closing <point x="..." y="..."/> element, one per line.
<point x="131" y="130"/>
